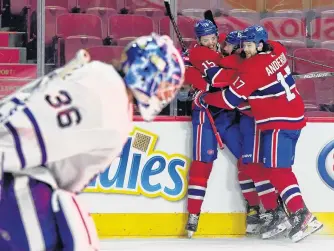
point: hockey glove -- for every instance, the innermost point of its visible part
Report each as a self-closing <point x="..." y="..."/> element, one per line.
<point x="199" y="100"/>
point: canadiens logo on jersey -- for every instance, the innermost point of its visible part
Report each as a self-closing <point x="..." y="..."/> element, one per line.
<point x="326" y="164"/>
<point x="143" y="170"/>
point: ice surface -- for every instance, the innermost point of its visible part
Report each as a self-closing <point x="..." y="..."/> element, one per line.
<point x="313" y="243"/>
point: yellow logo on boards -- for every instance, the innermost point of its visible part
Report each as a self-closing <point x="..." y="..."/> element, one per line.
<point x="143" y="170"/>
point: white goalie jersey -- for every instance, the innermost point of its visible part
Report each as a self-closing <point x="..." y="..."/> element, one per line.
<point x="71" y="127"/>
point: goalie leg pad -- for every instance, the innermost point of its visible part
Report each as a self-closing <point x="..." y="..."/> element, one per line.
<point x="75" y="226"/>
<point x="28" y="221"/>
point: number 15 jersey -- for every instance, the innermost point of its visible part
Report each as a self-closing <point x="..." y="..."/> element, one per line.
<point x="265" y="80"/>
<point x="74" y="127"/>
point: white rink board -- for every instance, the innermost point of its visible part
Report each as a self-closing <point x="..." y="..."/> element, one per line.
<point x="223" y="193"/>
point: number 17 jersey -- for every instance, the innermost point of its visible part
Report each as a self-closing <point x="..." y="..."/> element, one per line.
<point x="265" y="80"/>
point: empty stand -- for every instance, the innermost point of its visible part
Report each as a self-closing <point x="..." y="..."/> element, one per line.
<point x="322" y="28"/>
<point x="289" y="13"/>
<point x="74" y="43"/>
<point x="78" y="24"/>
<point x="67" y="4"/>
<point x="104" y="13"/>
<point x="245" y="13"/>
<point x="132" y="5"/>
<point x="150" y="12"/>
<point x="321" y="4"/>
<point x="320" y="55"/>
<point x="327" y="13"/>
<point x="51" y="14"/>
<point x="122" y="26"/>
<point x="319" y="114"/>
<point x="328" y="44"/>
<point x="97" y="19"/>
<point x="307" y="90"/>
<point x="238" y="4"/>
<point x="189" y="43"/>
<point x="17" y="6"/>
<point x="106" y="53"/>
<point x="280" y="28"/>
<point x="195" y="13"/>
<point x="186" y="26"/>
<point x="324" y="91"/>
<point x="274" y="5"/>
<point x="196" y="4"/>
<point x="228" y="24"/>
<point x="291" y="46"/>
<point x="86" y="4"/>
<point x="124" y="41"/>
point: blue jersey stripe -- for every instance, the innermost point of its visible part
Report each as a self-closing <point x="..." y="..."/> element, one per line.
<point x="232" y="98"/>
<point x="275" y="88"/>
<point x="36" y="129"/>
<point x="38" y="134"/>
<point x="17" y="142"/>
<point x="211" y="73"/>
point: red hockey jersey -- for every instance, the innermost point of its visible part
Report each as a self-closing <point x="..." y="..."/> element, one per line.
<point x="206" y="62"/>
<point x="266" y="81"/>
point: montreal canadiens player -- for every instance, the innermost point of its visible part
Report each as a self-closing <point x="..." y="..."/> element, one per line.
<point x="255" y="186"/>
<point x="254" y="183"/>
<point x="60" y="131"/>
<point x="202" y="59"/>
<point x="265" y="79"/>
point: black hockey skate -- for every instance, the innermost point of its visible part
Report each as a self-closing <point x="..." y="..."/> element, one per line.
<point x="253" y="221"/>
<point x="304" y="223"/>
<point x="282" y="211"/>
<point x="275" y="222"/>
<point x="192" y="224"/>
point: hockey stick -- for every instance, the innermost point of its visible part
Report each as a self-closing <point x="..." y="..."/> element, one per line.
<point x="214" y="128"/>
<point x="311" y="62"/>
<point x="185" y="50"/>
<point x="317" y="74"/>
<point x="176" y="29"/>
<point x="209" y="16"/>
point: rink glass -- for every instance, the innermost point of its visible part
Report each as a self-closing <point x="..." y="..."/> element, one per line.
<point x="38" y="45"/>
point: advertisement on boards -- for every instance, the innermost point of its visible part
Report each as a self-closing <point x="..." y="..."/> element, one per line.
<point x="143" y="169"/>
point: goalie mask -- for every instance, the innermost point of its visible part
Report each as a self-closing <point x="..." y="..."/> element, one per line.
<point x="154" y="71"/>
